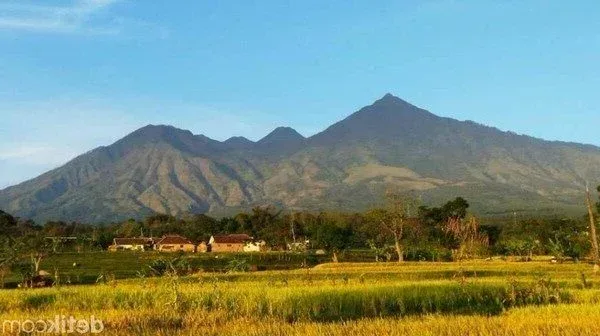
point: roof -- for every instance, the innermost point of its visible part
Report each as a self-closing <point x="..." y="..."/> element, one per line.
<point x="133" y="241"/>
<point x="232" y="239"/>
<point x="174" y="240"/>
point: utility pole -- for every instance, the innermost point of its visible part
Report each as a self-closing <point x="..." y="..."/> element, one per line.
<point x="594" y="239"/>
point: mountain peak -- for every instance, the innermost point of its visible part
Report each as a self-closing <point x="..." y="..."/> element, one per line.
<point x="165" y="134"/>
<point x="158" y="131"/>
<point x="282" y="141"/>
<point x="239" y="142"/>
<point x="390" y="99"/>
<point x="387" y="118"/>
<point x="282" y="134"/>
<point x="238" y="139"/>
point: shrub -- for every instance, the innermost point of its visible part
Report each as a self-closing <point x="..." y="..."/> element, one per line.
<point x="238" y="265"/>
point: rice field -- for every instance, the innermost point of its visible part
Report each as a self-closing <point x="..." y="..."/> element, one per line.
<point x="470" y="298"/>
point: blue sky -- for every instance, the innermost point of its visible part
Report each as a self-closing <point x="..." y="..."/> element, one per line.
<point x="78" y="74"/>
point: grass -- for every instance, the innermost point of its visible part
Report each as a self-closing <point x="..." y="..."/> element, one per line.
<point x="470" y="298"/>
<point x="86" y="267"/>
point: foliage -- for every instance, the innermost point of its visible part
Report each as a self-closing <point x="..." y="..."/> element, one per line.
<point x="330" y="235"/>
<point x="465" y="231"/>
<point x="238" y="265"/>
<point x="401" y="220"/>
<point x="522" y="247"/>
<point x="175" y="266"/>
<point x="398" y="221"/>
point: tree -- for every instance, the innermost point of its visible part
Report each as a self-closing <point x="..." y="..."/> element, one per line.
<point x="8" y="224"/>
<point x="466" y="232"/>
<point x="8" y="257"/>
<point x="132" y="228"/>
<point x="514" y="246"/>
<point x="262" y="219"/>
<point x="101" y="237"/>
<point x="522" y="247"/>
<point x="330" y="235"/>
<point x="267" y="224"/>
<point x="379" y="250"/>
<point x="397" y="220"/>
<point x="57" y="229"/>
<point x="37" y="248"/>
<point x="199" y="227"/>
<point x="570" y="239"/>
<point x="228" y="225"/>
<point x="456" y="208"/>
<point x="531" y="244"/>
<point x="435" y="219"/>
<point x="593" y="237"/>
<point x="24" y="254"/>
<point x="295" y="226"/>
<point x="9" y="252"/>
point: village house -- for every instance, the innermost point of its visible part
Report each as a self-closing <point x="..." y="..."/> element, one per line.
<point x="175" y="243"/>
<point x="131" y="244"/>
<point x="235" y="243"/>
<point x="228" y="243"/>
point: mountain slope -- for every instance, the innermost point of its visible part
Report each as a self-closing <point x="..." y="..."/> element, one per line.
<point x="389" y="144"/>
<point x="393" y="143"/>
<point x="154" y="169"/>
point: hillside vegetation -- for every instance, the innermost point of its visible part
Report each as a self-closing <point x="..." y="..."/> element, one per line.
<point x="389" y="144"/>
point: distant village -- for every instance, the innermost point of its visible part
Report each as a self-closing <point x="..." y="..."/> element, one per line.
<point x="177" y="243"/>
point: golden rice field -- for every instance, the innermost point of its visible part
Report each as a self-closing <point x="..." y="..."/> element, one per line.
<point x="470" y="298"/>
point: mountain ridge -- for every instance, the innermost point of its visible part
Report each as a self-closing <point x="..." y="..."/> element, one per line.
<point x="347" y="166"/>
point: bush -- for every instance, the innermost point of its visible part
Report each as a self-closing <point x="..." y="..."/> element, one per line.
<point x="238" y="265"/>
<point x="428" y="253"/>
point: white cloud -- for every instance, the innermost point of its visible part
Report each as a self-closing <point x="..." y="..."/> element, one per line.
<point x="22" y="161"/>
<point x="81" y="17"/>
<point x="38" y="136"/>
<point x="35" y="154"/>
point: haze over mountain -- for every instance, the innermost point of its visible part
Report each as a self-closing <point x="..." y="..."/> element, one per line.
<point x="390" y="144"/>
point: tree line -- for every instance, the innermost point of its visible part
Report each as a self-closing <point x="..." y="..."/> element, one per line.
<point x="401" y="230"/>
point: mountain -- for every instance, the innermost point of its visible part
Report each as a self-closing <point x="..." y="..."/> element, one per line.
<point x="390" y="144"/>
<point x="282" y="141"/>
<point x="239" y="143"/>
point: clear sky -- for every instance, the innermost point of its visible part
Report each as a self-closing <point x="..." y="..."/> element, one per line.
<point x="78" y="74"/>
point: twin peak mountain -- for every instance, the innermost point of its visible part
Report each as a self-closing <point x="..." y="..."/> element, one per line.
<point x="390" y="144"/>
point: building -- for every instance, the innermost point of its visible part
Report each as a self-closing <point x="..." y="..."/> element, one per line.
<point x="255" y="246"/>
<point x="131" y="244"/>
<point x="174" y="243"/>
<point x="229" y="243"/>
